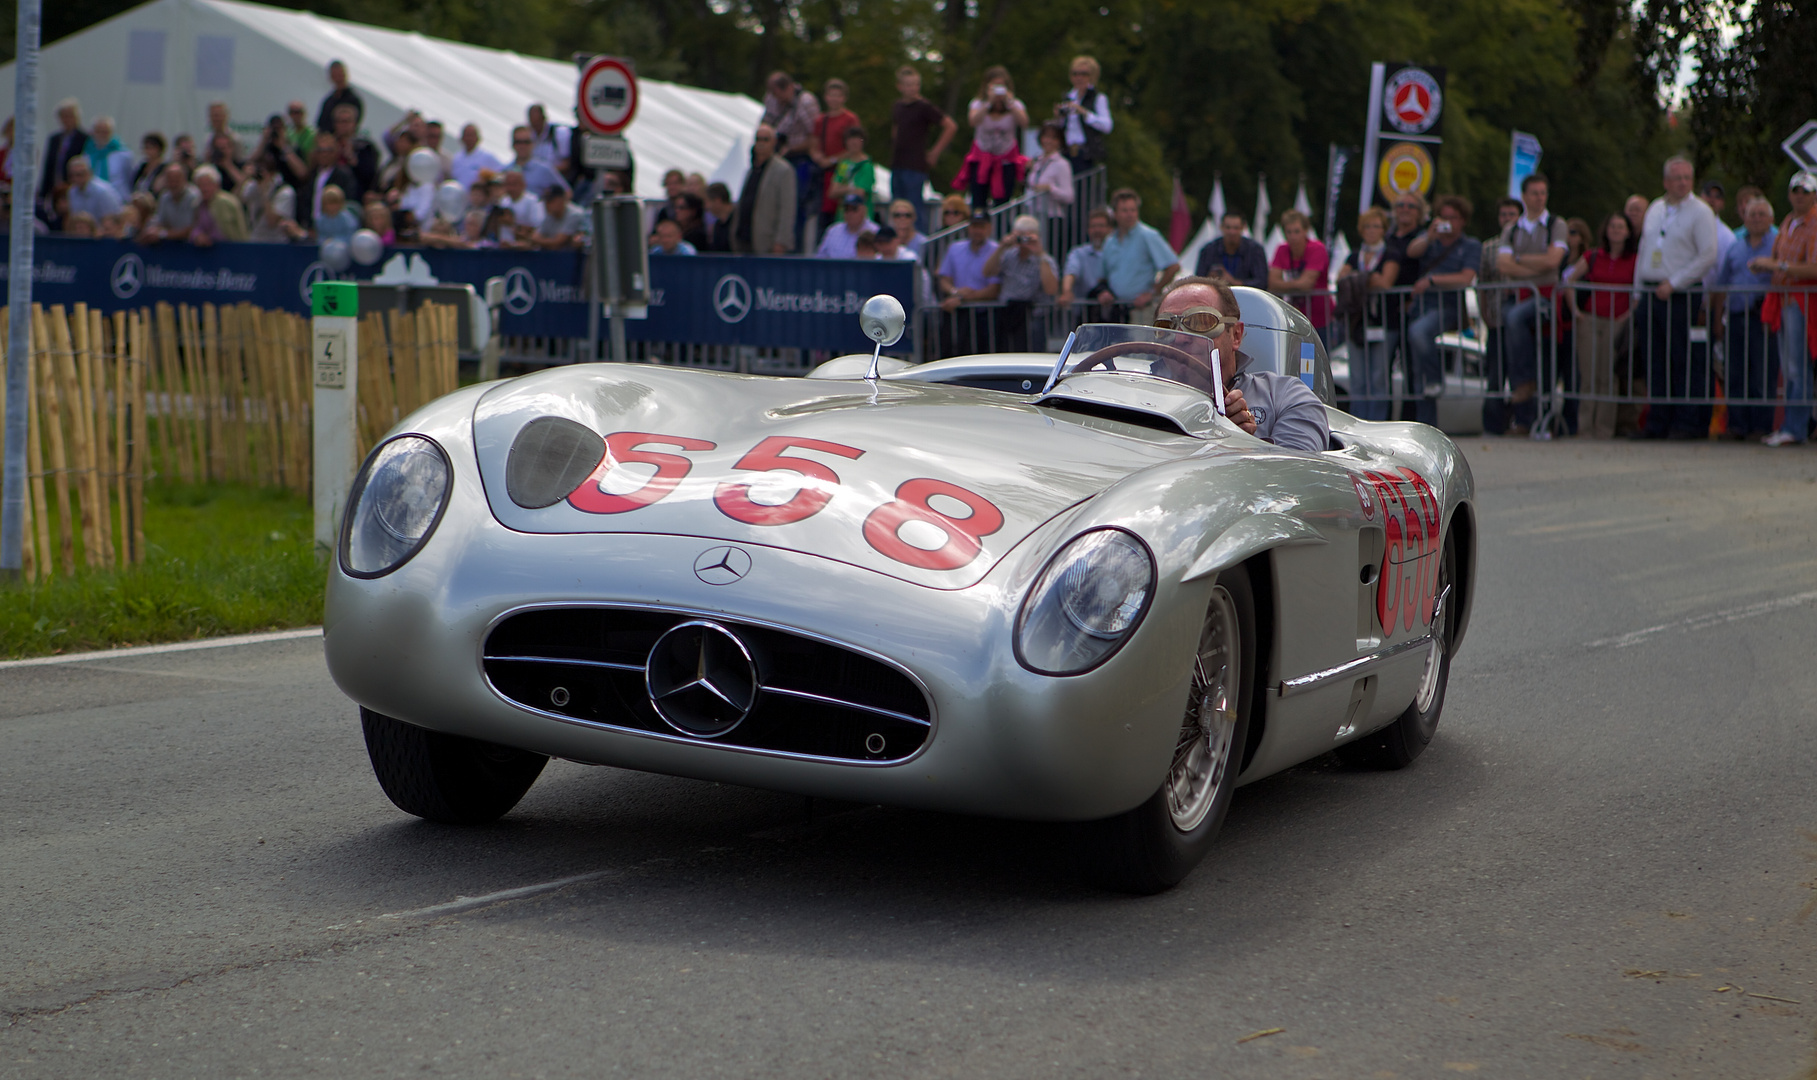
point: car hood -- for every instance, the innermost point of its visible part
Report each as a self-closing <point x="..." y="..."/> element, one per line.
<point x="907" y="471"/>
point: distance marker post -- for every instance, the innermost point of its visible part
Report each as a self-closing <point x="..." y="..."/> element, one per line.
<point x="335" y="364"/>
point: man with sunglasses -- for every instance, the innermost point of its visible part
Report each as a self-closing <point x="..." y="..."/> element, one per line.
<point x="1274" y="408"/>
<point x="765" y="222"/>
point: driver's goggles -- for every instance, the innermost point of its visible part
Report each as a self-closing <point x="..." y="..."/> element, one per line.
<point x="1208" y="321"/>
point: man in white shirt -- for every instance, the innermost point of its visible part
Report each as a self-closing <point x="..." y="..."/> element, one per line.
<point x="552" y="140"/>
<point x="525" y="208"/>
<point x="471" y="159"/>
<point x="1678" y="246"/>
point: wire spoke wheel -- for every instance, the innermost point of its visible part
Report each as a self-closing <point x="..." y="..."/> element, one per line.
<point x="1153" y="846"/>
<point x="1396" y="745"/>
<point x="1208" y="732"/>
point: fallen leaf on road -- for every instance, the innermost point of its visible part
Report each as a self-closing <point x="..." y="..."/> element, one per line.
<point x="1265" y="1032"/>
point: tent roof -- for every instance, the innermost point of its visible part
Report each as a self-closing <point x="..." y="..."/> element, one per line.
<point x="157" y="66"/>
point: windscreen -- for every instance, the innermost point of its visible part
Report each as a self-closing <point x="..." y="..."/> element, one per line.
<point x="1187" y="358"/>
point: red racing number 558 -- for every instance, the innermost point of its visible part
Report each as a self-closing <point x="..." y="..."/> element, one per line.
<point x="960" y="534"/>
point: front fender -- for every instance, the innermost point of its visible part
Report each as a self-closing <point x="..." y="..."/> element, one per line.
<point x="1249" y="537"/>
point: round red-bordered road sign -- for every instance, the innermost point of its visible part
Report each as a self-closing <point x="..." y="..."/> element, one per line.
<point x="608" y="95"/>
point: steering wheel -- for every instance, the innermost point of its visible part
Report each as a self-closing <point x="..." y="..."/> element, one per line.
<point x="1172" y="354"/>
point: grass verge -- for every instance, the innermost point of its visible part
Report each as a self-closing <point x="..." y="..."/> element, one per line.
<point x="219" y="559"/>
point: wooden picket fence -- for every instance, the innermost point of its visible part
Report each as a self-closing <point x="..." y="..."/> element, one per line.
<point x="185" y="394"/>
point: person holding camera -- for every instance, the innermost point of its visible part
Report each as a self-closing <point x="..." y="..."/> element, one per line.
<point x="224" y="155"/>
<point x="1086" y="113"/>
<point x="1029" y="276"/>
<point x="993" y="168"/>
<point x="276" y="155"/>
<point x="1448" y="262"/>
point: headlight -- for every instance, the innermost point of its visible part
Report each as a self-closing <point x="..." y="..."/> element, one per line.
<point x="394" y="506"/>
<point x="1086" y="603"/>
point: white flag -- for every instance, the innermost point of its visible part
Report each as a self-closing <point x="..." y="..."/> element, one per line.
<point x="1304" y="206"/>
<point x="1263" y="209"/>
<point x="1208" y="229"/>
<point x="1340" y="253"/>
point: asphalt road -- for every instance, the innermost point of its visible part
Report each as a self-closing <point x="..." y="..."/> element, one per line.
<point x="1603" y="866"/>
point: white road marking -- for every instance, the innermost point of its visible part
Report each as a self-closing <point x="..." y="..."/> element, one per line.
<point x="174" y="647"/>
<point x="467" y="903"/>
<point x="1704" y="622"/>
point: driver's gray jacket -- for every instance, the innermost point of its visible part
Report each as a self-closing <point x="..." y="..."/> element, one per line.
<point x="1287" y="413"/>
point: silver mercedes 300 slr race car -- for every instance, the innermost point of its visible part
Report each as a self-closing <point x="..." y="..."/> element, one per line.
<point x="1063" y="589"/>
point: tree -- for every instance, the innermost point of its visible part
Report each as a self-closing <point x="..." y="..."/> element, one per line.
<point x="1748" y="96"/>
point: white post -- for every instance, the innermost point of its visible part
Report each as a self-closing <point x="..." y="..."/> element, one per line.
<point x="19" y="289"/>
<point x="1372" y="134"/>
<point x="337" y="389"/>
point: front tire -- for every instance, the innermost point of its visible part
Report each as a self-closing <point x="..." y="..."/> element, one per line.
<point x="1153" y="847"/>
<point x="446" y="778"/>
<point x="1395" y="746"/>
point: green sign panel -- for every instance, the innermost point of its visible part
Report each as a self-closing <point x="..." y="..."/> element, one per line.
<point x="334" y="298"/>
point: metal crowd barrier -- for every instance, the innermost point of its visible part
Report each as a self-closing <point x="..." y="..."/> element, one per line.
<point x="1497" y="356"/>
<point x="1586" y="359"/>
<point x="1694" y="360"/>
<point x="1059" y="235"/>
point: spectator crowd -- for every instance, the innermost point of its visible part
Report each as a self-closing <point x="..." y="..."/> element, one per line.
<point x="1658" y="299"/>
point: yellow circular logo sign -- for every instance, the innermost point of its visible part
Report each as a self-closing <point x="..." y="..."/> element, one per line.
<point x="1406" y="167"/>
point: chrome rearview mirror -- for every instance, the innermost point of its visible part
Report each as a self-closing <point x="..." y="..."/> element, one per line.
<point x="882" y="319"/>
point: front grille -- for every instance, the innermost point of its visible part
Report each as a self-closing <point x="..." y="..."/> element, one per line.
<point x="814" y="699"/>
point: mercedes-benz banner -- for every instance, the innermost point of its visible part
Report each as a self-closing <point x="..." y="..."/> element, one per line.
<point x="708" y="299"/>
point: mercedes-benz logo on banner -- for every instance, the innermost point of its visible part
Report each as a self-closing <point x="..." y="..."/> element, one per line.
<point x="520" y="291"/>
<point x="732" y="298"/>
<point x="1412" y="100"/>
<point x="128" y="276"/>
<point x="722" y="565"/>
<point x="701" y="679"/>
<point x="314" y="272"/>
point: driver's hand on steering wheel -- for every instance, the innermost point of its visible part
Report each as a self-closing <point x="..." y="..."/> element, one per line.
<point x="1237" y="410"/>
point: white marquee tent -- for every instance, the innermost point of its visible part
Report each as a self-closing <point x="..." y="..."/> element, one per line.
<point x="157" y="66"/>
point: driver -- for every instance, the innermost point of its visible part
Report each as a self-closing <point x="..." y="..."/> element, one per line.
<point x="1275" y="408"/>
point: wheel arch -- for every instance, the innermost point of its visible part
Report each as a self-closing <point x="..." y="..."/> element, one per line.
<point x="1260" y="568"/>
<point x="1462" y="533"/>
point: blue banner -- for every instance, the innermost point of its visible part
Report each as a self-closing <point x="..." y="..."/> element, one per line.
<point x="707" y="299"/>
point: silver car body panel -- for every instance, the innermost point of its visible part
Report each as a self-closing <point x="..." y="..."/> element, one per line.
<point x="1005" y="741"/>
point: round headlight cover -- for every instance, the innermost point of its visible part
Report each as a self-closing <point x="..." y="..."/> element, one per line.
<point x="1086" y="604"/>
<point x="396" y="502"/>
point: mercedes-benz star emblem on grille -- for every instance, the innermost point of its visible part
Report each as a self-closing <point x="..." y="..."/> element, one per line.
<point x="722" y="565"/>
<point x="701" y="679"/>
